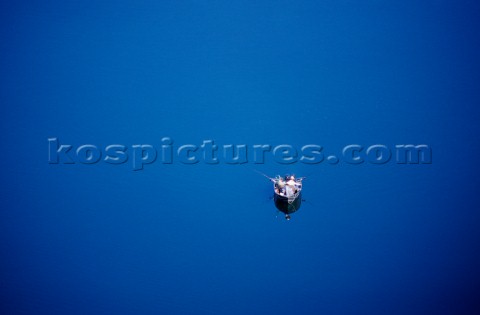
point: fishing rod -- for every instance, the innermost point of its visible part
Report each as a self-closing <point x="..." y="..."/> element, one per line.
<point x="270" y="178"/>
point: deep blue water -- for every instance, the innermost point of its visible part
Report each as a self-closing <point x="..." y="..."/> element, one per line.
<point x="206" y="239"/>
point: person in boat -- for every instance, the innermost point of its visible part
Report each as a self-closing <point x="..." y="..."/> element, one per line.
<point x="280" y="186"/>
<point x="293" y="184"/>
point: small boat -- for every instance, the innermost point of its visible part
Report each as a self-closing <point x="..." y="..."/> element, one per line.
<point x="287" y="194"/>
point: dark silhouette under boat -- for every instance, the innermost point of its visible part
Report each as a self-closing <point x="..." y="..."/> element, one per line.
<point x="287" y="193"/>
